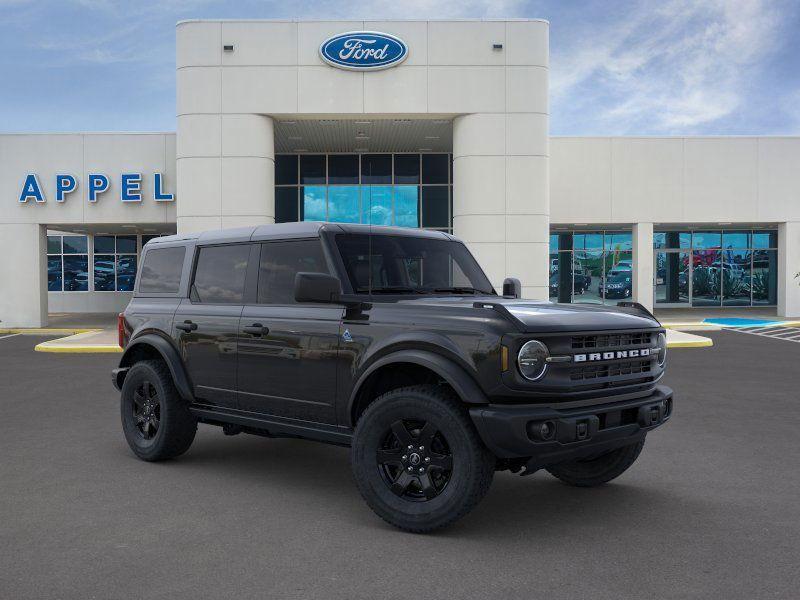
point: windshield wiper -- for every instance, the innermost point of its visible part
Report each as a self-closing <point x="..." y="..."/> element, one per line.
<point x="459" y="290"/>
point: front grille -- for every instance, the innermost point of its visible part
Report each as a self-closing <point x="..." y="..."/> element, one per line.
<point x="604" y="371"/>
<point x="611" y="340"/>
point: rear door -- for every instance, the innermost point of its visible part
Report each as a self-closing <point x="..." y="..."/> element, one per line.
<point x="288" y="351"/>
<point x="207" y="323"/>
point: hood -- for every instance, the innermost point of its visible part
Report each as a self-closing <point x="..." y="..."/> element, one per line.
<point x="532" y="316"/>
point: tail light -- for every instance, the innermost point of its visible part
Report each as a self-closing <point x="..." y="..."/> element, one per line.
<point x="122" y="336"/>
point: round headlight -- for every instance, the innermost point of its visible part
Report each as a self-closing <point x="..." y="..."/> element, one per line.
<point x="662" y="349"/>
<point x="531" y="360"/>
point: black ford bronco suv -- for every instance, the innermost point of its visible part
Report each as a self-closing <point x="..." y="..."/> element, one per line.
<point x="393" y="342"/>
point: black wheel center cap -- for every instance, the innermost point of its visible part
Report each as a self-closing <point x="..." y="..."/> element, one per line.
<point x="414" y="459"/>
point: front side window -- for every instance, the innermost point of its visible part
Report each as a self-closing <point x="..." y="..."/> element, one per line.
<point x="220" y="274"/>
<point x="161" y="270"/>
<point x="383" y="264"/>
<point x="280" y="262"/>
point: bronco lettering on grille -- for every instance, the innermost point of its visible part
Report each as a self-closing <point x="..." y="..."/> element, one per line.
<point x="595" y="356"/>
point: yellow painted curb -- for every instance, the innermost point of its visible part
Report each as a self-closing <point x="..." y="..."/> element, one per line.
<point x="695" y="325"/>
<point x="46" y="331"/>
<point x="88" y="349"/>
<point x="704" y="343"/>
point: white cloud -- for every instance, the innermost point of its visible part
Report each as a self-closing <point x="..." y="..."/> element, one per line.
<point x="410" y="9"/>
<point x="669" y="68"/>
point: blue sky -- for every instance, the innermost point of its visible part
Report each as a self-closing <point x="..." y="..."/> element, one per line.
<point x="617" y="67"/>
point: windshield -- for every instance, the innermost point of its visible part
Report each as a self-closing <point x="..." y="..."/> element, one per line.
<point x="387" y="264"/>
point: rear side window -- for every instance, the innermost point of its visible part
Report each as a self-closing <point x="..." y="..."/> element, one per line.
<point x="280" y="262"/>
<point x="161" y="271"/>
<point x="220" y="274"/>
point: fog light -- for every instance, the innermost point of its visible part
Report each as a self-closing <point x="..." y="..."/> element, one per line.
<point x="543" y="430"/>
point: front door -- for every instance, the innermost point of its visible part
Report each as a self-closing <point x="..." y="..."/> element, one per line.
<point x="287" y="351"/>
<point x="207" y="323"/>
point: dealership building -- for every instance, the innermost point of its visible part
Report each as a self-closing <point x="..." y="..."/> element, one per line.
<point x="434" y="124"/>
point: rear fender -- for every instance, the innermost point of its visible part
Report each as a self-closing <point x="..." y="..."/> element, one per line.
<point x="167" y="352"/>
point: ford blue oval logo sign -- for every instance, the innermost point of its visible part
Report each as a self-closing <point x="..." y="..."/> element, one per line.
<point x="363" y="50"/>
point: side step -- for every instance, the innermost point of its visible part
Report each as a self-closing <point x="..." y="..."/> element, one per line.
<point x="272" y="425"/>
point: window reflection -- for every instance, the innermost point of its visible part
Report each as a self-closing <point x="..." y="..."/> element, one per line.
<point x="587" y="274"/>
<point x="720" y="268"/>
<point x="104" y="272"/>
<point x="76" y="273"/>
<point x="54" y="278"/>
<point x="406" y="209"/>
<point x="593" y="267"/>
<point x="735" y="274"/>
<point x="376" y="207"/>
<point x="617" y="283"/>
<point x="706" y="277"/>
<point x="406" y="190"/>
<point x="672" y="277"/>
<point x="343" y="204"/>
<point x="314" y="203"/>
<point x="765" y="277"/>
<point x="126" y="273"/>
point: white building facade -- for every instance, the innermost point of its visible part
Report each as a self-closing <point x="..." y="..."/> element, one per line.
<point x="443" y="126"/>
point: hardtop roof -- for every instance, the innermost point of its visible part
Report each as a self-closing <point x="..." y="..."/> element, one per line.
<point x="302" y="229"/>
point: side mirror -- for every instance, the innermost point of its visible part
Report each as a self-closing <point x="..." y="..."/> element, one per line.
<point x="512" y="287"/>
<point x="317" y="287"/>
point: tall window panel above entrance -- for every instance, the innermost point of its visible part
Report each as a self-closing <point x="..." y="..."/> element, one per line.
<point x="400" y="189"/>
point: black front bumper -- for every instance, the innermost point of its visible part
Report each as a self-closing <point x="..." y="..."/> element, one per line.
<point x="514" y="431"/>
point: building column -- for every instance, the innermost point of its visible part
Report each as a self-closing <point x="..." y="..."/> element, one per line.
<point x="501" y="196"/>
<point x="23" y="269"/>
<point x="226" y="171"/>
<point x="788" y="266"/>
<point x="642" y="276"/>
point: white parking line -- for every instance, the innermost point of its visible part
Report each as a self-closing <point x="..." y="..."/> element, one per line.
<point x="2" y="337"/>
<point x="790" y="334"/>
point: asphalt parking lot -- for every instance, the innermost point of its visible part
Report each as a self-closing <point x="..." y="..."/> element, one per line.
<point x="710" y="510"/>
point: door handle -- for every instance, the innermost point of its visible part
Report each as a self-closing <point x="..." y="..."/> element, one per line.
<point x="256" y="329"/>
<point x="186" y="326"/>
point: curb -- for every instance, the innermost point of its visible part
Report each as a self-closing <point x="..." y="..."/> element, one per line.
<point x="46" y="331"/>
<point x="88" y="349"/>
<point x="704" y="343"/>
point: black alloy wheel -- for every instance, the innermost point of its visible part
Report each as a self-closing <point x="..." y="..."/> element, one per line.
<point x="414" y="460"/>
<point x="146" y="409"/>
<point x="156" y="421"/>
<point x="418" y="460"/>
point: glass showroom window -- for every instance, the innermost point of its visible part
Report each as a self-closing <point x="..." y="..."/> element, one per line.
<point x="716" y="267"/>
<point x="114" y="263"/>
<point x="406" y="190"/>
<point x="67" y="263"/>
<point x="598" y="266"/>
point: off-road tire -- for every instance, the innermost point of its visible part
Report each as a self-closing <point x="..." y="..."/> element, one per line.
<point x="176" y="427"/>
<point x="599" y="470"/>
<point x="472" y="464"/>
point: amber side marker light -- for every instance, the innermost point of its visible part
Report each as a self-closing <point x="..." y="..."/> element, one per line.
<point x="504" y="358"/>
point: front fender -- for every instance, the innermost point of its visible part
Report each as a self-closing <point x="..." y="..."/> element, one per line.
<point x="461" y="381"/>
<point x="168" y="353"/>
